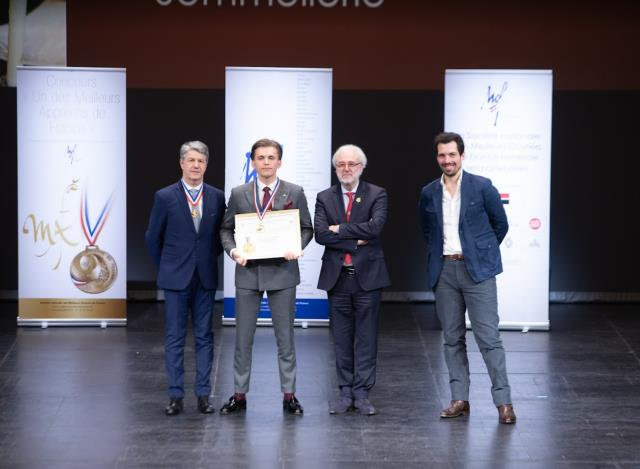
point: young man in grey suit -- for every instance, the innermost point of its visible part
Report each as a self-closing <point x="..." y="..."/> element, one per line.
<point x="278" y="277"/>
<point x="349" y="218"/>
<point x="464" y="222"/>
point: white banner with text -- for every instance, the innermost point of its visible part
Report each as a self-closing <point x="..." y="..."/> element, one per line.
<point x="504" y="117"/>
<point x="293" y="107"/>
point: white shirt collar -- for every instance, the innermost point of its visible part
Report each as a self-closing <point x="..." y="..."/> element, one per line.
<point x="459" y="179"/>
<point x="189" y="186"/>
<point x="262" y="185"/>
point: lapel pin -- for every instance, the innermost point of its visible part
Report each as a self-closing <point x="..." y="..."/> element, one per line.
<point x="359" y="199"/>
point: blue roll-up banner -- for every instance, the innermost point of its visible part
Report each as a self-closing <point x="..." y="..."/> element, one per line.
<point x="292" y="106"/>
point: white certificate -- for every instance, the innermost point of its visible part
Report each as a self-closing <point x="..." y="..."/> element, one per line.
<point x="277" y="233"/>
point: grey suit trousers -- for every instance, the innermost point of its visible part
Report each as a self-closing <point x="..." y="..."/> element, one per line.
<point x="282" y="304"/>
<point x="456" y="292"/>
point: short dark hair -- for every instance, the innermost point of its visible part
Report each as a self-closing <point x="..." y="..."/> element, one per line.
<point x="448" y="137"/>
<point x="266" y="142"/>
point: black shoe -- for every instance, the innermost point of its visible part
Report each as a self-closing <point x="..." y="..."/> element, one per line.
<point x="204" y="406"/>
<point x="364" y="407"/>
<point x="174" y="407"/>
<point x="234" y="406"/>
<point x="341" y="405"/>
<point x="292" y="406"/>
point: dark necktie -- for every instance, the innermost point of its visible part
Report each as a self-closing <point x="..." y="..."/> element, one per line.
<point x="267" y="196"/>
<point x="347" y="256"/>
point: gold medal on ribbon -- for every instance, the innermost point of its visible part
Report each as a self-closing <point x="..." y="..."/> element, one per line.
<point x="194" y="201"/>
<point x="260" y="210"/>
<point x="93" y="270"/>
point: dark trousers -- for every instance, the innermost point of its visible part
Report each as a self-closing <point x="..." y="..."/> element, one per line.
<point x="354" y="324"/>
<point x="177" y="305"/>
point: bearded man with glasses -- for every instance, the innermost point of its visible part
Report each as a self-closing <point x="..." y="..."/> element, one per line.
<point x="349" y="218"/>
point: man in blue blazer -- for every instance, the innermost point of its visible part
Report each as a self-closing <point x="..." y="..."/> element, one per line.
<point x="183" y="239"/>
<point x="464" y="222"/>
<point x="349" y="218"/>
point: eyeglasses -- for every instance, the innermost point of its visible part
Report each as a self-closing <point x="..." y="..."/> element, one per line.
<point x="349" y="164"/>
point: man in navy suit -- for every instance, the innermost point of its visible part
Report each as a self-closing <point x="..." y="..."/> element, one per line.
<point x="183" y="239"/>
<point x="464" y="222"/>
<point x="349" y="218"/>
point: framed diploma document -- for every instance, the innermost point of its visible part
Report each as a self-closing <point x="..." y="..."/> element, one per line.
<point x="270" y="236"/>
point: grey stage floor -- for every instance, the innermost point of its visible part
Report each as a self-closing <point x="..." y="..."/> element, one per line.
<point x="90" y="398"/>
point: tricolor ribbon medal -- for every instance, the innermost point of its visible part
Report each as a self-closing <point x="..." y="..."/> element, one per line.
<point x="194" y="202"/>
<point x="260" y="210"/>
<point x="93" y="270"/>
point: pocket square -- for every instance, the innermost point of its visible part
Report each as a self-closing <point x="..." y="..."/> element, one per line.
<point x="288" y="205"/>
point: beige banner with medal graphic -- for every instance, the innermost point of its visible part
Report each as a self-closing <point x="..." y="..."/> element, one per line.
<point x="71" y="196"/>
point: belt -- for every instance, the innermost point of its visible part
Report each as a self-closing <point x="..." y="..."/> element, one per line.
<point x="348" y="270"/>
<point x="454" y="257"/>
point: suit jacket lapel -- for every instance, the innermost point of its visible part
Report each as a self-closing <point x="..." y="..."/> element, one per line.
<point x="281" y="196"/>
<point x="437" y="201"/>
<point x="358" y="200"/>
<point x="465" y="194"/>
<point x="206" y="207"/>
<point x="248" y="199"/>
<point x="184" y="204"/>
<point x="339" y="203"/>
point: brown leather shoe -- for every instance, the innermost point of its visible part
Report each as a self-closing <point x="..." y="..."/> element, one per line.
<point x="456" y="409"/>
<point x="506" y="414"/>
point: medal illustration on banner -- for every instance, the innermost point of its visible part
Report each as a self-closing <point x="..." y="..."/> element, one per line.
<point x="93" y="270"/>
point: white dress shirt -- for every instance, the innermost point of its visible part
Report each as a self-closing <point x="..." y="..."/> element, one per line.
<point x="345" y="197"/>
<point x="261" y="187"/>
<point x="451" y="219"/>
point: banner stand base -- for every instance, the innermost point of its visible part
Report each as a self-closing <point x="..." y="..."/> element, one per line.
<point x="45" y="323"/>
<point x="303" y="323"/>
<point x="520" y="326"/>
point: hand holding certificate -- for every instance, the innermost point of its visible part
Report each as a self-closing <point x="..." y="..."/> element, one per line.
<point x="277" y="234"/>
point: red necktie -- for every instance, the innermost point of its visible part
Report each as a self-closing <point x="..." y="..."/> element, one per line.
<point x="267" y="196"/>
<point x="347" y="256"/>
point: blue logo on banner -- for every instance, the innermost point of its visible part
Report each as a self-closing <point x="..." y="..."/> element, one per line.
<point x="311" y="308"/>
<point x="249" y="173"/>
<point x="493" y="101"/>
